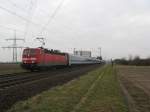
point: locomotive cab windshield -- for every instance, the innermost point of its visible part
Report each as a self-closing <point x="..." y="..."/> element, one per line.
<point x="29" y="52"/>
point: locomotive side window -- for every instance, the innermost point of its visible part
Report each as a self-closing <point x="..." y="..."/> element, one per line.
<point x="41" y="51"/>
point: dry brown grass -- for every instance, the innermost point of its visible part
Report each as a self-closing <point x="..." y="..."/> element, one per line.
<point x="10" y="68"/>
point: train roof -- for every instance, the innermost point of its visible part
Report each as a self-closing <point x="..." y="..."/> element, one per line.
<point x="49" y="51"/>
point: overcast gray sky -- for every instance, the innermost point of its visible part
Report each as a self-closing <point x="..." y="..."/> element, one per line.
<point x="120" y="27"/>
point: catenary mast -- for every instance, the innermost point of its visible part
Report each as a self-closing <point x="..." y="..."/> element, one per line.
<point x="14" y="45"/>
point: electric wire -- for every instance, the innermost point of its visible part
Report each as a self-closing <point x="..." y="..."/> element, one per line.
<point x="31" y="22"/>
<point x="53" y="15"/>
<point x="12" y="29"/>
<point x="17" y="6"/>
<point x="33" y="6"/>
<point x="21" y="17"/>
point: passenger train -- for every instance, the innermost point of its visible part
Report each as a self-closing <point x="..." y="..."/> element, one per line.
<point x="37" y="58"/>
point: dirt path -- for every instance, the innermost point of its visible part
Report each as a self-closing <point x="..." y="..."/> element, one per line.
<point x="136" y="84"/>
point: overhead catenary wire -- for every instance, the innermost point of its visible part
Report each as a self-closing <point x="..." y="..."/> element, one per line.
<point x="17" y="6"/>
<point x="53" y="15"/>
<point x="29" y="21"/>
<point x="15" y="14"/>
<point x="21" y="17"/>
<point x="32" y="9"/>
<point x="12" y="29"/>
<point x="23" y="9"/>
<point x="29" y="11"/>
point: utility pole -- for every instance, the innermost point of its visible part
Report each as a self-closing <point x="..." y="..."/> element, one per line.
<point x="74" y="50"/>
<point x="14" y="46"/>
<point x="100" y="50"/>
<point x="100" y="53"/>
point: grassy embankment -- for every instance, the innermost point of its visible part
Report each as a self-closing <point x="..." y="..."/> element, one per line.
<point x="98" y="91"/>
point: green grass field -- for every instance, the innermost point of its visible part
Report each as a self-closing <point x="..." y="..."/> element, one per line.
<point x="98" y="91"/>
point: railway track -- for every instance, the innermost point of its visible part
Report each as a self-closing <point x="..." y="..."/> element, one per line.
<point x="11" y="74"/>
<point x="9" y="80"/>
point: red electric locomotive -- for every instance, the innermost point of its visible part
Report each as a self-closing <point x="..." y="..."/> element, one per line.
<point x="36" y="58"/>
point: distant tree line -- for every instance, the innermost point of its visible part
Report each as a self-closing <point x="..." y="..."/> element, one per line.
<point x="135" y="61"/>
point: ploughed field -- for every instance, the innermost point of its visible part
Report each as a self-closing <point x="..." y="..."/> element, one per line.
<point x="136" y="82"/>
<point x="20" y="87"/>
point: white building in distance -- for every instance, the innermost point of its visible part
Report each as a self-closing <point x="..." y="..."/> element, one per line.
<point x="83" y="53"/>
